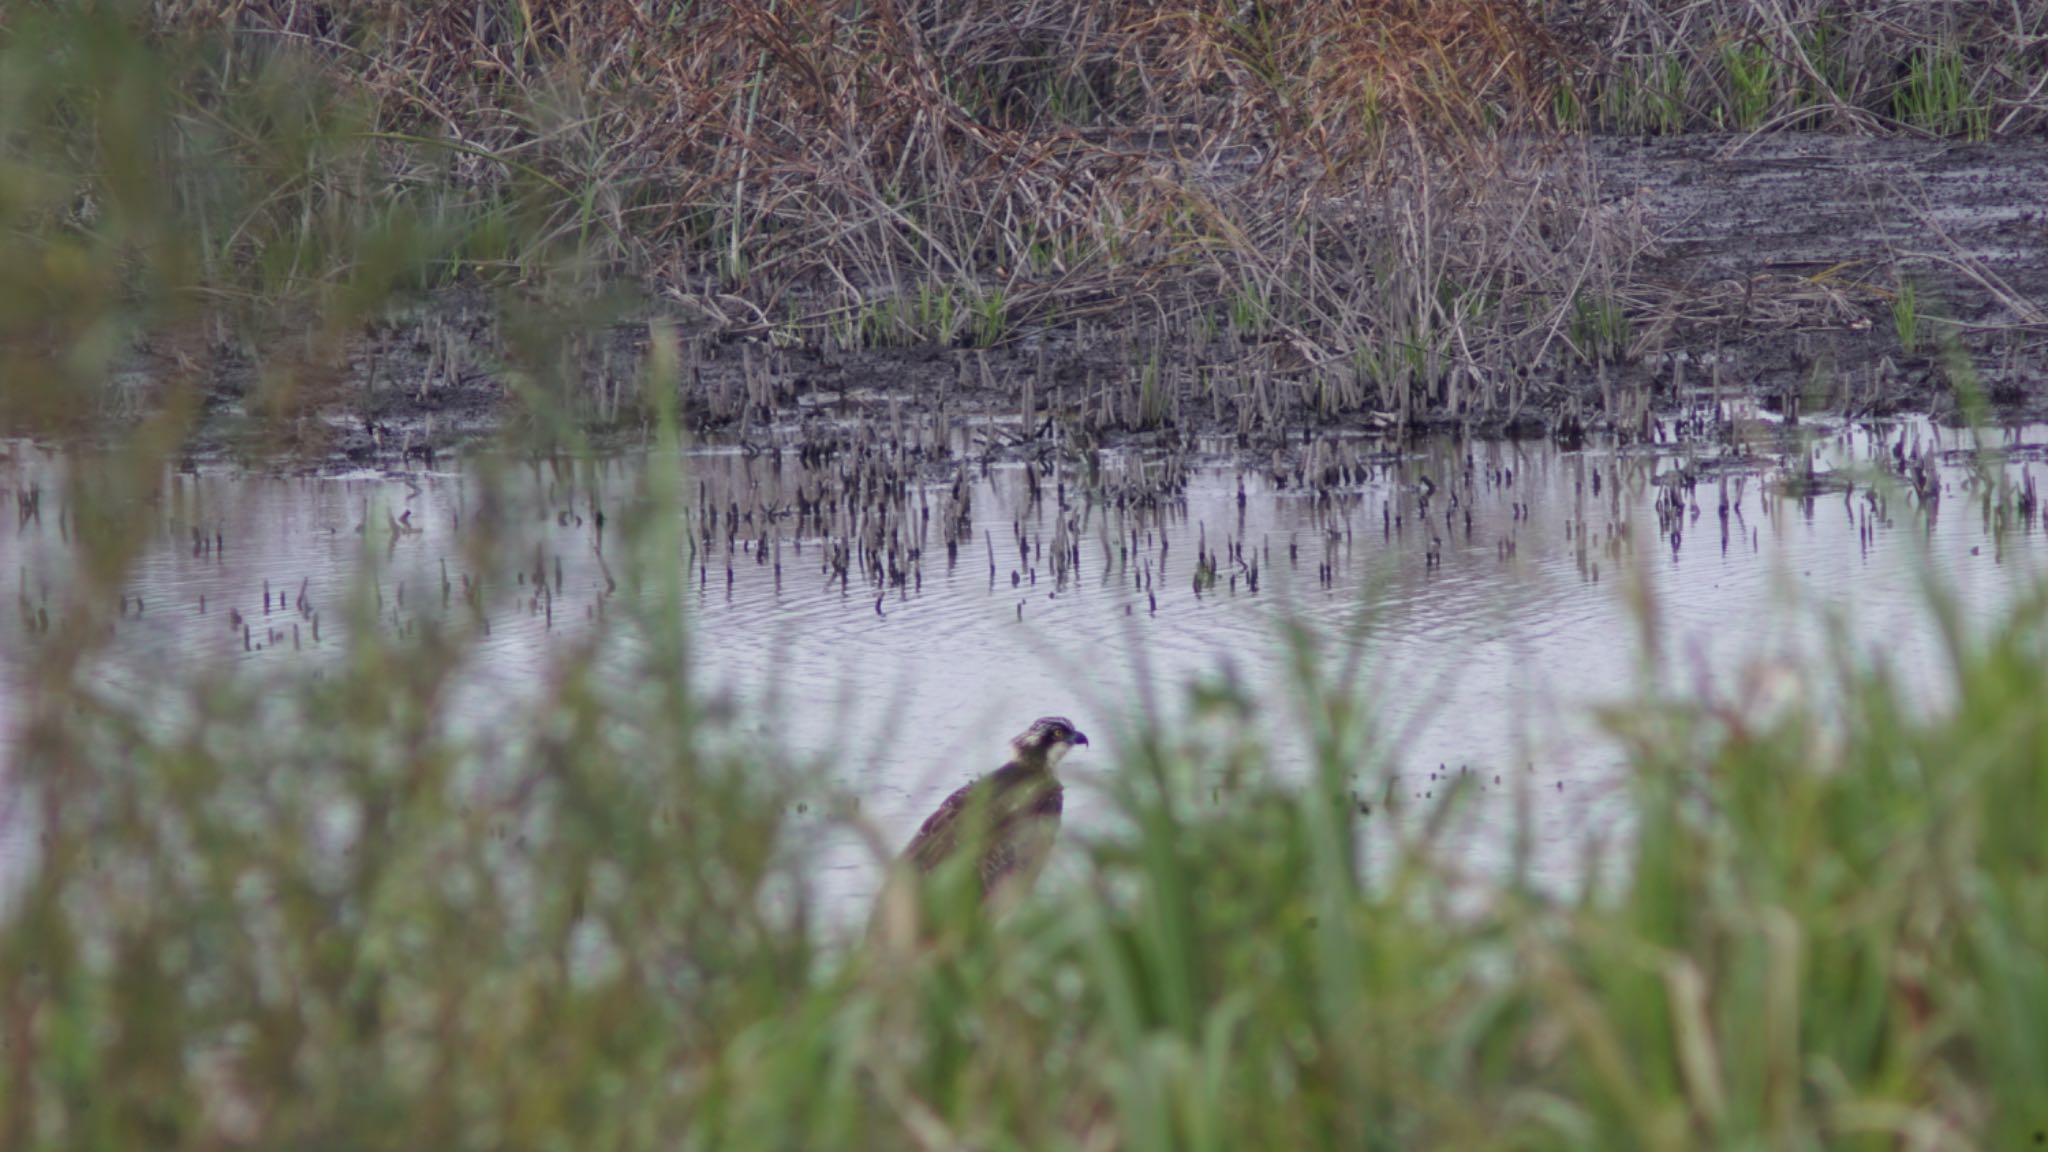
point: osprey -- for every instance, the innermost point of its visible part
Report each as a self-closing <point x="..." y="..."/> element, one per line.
<point x="1010" y="816"/>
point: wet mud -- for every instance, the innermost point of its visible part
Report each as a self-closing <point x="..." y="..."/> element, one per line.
<point x="1781" y="257"/>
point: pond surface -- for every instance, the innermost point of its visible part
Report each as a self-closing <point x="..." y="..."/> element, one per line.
<point x="1484" y="581"/>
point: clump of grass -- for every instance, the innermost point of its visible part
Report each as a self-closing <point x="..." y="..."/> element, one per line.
<point x="1647" y="98"/>
<point x="1600" y="329"/>
<point x="1248" y="310"/>
<point x="990" y="318"/>
<point x="1937" y="95"/>
<point x="1906" y="318"/>
<point x="1753" y="84"/>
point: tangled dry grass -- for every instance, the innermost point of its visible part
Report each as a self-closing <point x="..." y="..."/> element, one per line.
<point x="828" y="162"/>
<point x="1350" y="204"/>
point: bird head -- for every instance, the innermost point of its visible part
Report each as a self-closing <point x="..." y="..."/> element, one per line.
<point x="1047" y="740"/>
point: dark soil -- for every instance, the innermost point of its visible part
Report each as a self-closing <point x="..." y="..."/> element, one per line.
<point x="1772" y="277"/>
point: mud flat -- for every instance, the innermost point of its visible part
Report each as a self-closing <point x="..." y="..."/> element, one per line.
<point x="1785" y="256"/>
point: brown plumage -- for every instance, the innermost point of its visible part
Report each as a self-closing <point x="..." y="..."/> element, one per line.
<point x="1017" y="808"/>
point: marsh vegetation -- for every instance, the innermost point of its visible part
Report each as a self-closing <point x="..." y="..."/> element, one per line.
<point x="1142" y="217"/>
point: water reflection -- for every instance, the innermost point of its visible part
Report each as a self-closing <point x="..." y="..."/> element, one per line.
<point x="908" y="631"/>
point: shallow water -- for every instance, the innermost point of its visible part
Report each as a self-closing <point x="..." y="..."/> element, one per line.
<point x="1491" y="623"/>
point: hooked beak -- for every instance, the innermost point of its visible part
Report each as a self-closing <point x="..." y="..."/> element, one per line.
<point x="1080" y="737"/>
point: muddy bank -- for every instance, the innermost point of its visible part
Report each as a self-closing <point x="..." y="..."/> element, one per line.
<point x="1783" y="257"/>
<point x="1773" y="269"/>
